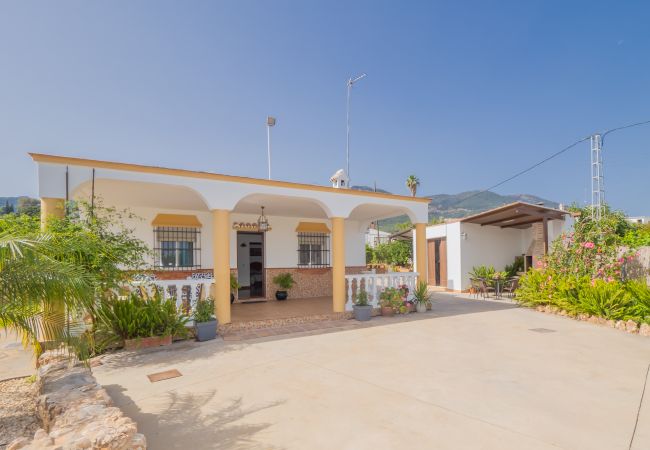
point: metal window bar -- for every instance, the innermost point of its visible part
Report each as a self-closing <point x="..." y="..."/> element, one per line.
<point x="177" y="248"/>
<point x="313" y="250"/>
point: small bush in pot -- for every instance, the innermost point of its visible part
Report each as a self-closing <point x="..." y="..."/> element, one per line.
<point x="361" y="309"/>
<point x="390" y="301"/>
<point x="285" y="282"/>
<point x="205" y="323"/>
<point x="421" y="296"/>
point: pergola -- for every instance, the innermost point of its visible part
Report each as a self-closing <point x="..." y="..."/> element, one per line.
<point x="518" y="215"/>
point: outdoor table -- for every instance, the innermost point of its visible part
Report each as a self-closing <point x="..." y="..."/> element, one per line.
<point x="497" y="287"/>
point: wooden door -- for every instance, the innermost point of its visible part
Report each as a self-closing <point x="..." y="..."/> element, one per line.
<point x="437" y="262"/>
<point x="442" y="259"/>
<point x="431" y="252"/>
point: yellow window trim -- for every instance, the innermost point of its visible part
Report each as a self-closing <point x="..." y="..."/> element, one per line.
<point x="312" y="227"/>
<point x="176" y="220"/>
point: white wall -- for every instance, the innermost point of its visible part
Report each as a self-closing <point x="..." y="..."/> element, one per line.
<point x="281" y="243"/>
<point x="487" y="245"/>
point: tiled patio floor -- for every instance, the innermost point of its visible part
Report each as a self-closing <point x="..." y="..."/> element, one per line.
<point x="274" y="309"/>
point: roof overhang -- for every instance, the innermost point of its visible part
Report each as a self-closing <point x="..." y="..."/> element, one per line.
<point x="516" y="215"/>
<point x="83" y="162"/>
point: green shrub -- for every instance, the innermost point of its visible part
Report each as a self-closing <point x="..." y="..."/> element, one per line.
<point x="517" y="266"/>
<point x="536" y="288"/>
<point x="639" y="292"/>
<point x="395" y="253"/>
<point x="486" y="272"/>
<point x="284" y="281"/>
<point x="135" y="317"/>
<point x="204" y="310"/>
<point x="603" y="299"/>
<point x="639" y="236"/>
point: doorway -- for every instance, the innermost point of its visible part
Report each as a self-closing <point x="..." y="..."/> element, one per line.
<point x="437" y="264"/>
<point x="250" y="265"/>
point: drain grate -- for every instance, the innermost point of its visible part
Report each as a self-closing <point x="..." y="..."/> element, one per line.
<point x="542" y="330"/>
<point x="166" y="375"/>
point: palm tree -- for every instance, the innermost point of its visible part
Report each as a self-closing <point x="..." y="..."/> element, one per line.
<point x="412" y="182"/>
<point x="37" y="286"/>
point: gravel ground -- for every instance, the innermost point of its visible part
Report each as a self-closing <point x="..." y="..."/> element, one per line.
<point x="17" y="410"/>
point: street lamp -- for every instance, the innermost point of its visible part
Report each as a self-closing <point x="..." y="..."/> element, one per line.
<point x="270" y="122"/>
<point x="350" y="82"/>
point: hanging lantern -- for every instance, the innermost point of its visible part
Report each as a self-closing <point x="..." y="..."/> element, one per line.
<point x="263" y="222"/>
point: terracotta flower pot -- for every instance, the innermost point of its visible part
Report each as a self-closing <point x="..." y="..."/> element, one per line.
<point x="411" y="307"/>
<point x="387" y="311"/>
<point x="147" y="342"/>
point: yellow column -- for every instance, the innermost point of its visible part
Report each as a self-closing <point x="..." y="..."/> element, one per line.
<point x="51" y="207"/>
<point x="338" y="264"/>
<point x="53" y="312"/>
<point x="221" y="257"/>
<point x="421" y="251"/>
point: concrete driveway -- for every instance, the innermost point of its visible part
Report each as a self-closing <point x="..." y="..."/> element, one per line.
<point x="471" y="376"/>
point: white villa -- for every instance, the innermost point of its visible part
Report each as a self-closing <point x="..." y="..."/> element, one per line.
<point x="493" y="237"/>
<point x="204" y="225"/>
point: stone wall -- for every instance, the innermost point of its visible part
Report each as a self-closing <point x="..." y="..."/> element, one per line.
<point x="76" y="412"/>
<point x="314" y="282"/>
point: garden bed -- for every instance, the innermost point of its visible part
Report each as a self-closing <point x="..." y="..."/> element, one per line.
<point x="629" y="326"/>
<point x="18" y="416"/>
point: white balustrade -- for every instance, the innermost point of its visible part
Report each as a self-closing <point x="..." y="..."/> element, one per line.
<point x="189" y="290"/>
<point x="375" y="283"/>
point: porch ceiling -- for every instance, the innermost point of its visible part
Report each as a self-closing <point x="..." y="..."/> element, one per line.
<point x="516" y="215"/>
<point x="278" y="205"/>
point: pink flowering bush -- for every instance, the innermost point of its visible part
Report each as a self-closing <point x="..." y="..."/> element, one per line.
<point x="584" y="273"/>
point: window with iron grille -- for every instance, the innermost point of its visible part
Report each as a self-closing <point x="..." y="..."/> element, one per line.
<point x="313" y="250"/>
<point x="177" y="248"/>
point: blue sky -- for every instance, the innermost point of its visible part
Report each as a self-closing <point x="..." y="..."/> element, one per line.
<point x="462" y="94"/>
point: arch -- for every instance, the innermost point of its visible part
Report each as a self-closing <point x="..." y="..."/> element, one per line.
<point x="366" y="213"/>
<point x="283" y="205"/>
<point x="116" y="192"/>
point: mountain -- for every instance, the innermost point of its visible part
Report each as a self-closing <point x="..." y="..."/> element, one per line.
<point x="454" y="206"/>
<point x="13" y="201"/>
<point x="472" y="202"/>
<point x="22" y="204"/>
<point x="369" y="189"/>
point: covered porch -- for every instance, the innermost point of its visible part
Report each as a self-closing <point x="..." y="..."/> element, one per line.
<point x="206" y="228"/>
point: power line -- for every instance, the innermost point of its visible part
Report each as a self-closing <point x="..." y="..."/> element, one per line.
<point x="558" y="153"/>
<point x="565" y="149"/>
<point x="646" y="122"/>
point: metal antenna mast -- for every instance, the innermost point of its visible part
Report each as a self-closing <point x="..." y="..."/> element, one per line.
<point x="349" y="83"/>
<point x="597" y="185"/>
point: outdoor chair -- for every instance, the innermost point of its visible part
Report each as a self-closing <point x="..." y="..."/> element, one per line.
<point x="476" y="286"/>
<point x="511" y="286"/>
<point x="486" y="288"/>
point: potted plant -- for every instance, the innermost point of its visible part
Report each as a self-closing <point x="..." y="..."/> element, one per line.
<point x="234" y="288"/>
<point x="386" y="302"/>
<point x="421" y="296"/>
<point x="390" y="301"/>
<point x="361" y="309"/>
<point x="284" y="281"/>
<point x="205" y="324"/>
<point x="404" y="294"/>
